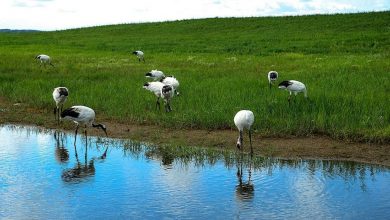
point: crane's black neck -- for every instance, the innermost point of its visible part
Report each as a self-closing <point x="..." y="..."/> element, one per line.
<point x="103" y="127"/>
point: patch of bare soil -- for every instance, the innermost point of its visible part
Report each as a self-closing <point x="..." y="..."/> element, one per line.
<point x="313" y="147"/>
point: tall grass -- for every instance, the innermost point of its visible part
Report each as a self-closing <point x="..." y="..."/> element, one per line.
<point x="221" y="65"/>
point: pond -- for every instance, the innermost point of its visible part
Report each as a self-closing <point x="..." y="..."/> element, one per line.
<point x="43" y="175"/>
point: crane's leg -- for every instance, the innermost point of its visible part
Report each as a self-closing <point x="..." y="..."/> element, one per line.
<point x="250" y="140"/>
<point x="158" y="103"/>
<point x="55" y="113"/>
<point x="86" y="137"/>
<point x="75" y="135"/>
<point x="168" y="107"/>
<point x="75" y="151"/>
<point x="59" y="113"/>
<point x="86" y="152"/>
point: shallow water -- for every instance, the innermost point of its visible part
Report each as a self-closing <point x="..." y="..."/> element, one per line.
<point x="42" y="177"/>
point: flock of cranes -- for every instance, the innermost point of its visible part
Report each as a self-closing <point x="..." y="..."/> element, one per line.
<point x="164" y="87"/>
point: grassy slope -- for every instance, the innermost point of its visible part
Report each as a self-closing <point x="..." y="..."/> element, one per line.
<point x="222" y="66"/>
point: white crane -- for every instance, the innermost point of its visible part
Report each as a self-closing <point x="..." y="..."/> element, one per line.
<point x="140" y="55"/>
<point x="293" y="86"/>
<point x="82" y="115"/>
<point x="60" y="94"/>
<point x="272" y="77"/>
<point x="45" y="59"/>
<point x="172" y="81"/>
<point x="156" y="88"/>
<point x="155" y="74"/>
<point x="165" y="92"/>
<point x="244" y="120"/>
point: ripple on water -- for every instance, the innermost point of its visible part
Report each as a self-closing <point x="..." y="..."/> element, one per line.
<point x="42" y="170"/>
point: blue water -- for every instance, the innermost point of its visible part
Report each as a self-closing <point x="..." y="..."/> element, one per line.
<point x="41" y="177"/>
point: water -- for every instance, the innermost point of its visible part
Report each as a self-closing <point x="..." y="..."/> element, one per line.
<point x="41" y="177"/>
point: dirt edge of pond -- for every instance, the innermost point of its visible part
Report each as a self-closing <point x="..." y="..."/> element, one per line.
<point x="311" y="147"/>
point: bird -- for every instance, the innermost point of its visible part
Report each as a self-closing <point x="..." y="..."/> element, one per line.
<point x="272" y="77"/>
<point x="45" y="59"/>
<point x="82" y="115"/>
<point x="155" y="74"/>
<point x="163" y="91"/>
<point x="140" y="55"/>
<point x="167" y="92"/>
<point x="293" y="86"/>
<point x="244" y="120"/>
<point x="171" y="80"/>
<point x="156" y="88"/>
<point x="60" y="94"/>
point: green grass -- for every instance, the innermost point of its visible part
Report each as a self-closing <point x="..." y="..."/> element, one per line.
<point x="222" y="66"/>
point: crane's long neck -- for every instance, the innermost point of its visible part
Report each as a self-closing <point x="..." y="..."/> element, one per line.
<point x="240" y="138"/>
<point x="305" y="93"/>
<point x="103" y="127"/>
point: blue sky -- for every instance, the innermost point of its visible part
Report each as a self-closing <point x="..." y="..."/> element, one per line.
<point x="65" y="14"/>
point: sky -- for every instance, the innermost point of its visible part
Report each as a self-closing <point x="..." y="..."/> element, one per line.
<point x="65" y="14"/>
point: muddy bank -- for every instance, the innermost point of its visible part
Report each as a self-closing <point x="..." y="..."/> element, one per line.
<point x="313" y="147"/>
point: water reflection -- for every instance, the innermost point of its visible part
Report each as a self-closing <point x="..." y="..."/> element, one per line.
<point x="82" y="170"/>
<point x="175" y="182"/>
<point x="61" y="153"/>
<point x="245" y="189"/>
<point x="200" y="157"/>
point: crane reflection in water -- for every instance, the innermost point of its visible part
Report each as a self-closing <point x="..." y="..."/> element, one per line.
<point x="245" y="189"/>
<point x="61" y="153"/>
<point x="82" y="170"/>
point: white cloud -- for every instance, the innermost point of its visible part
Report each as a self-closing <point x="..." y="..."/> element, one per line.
<point x="63" y="14"/>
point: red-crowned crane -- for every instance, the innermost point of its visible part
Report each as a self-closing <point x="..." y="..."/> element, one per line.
<point x="244" y="120"/>
<point x="172" y="81"/>
<point x="60" y="94"/>
<point x="293" y="86"/>
<point x="163" y="91"/>
<point x="82" y="115"/>
<point x="139" y="54"/>
<point x="155" y="74"/>
<point x="45" y="59"/>
<point x="272" y="77"/>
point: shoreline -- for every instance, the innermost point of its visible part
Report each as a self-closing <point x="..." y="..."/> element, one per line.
<point x="310" y="147"/>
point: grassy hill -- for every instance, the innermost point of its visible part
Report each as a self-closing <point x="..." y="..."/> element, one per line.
<point x="222" y="65"/>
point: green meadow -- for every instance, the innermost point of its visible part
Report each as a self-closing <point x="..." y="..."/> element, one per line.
<point x="222" y="66"/>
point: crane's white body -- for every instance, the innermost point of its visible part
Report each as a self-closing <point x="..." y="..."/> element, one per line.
<point x="140" y="55"/>
<point x="81" y="115"/>
<point x="154" y="87"/>
<point x="244" y="120"/>
<point x="172" y="81"/>
<point x="45" y="59"/>
<point x="293" y="86"/>
<point x="272" y="77"/>
<point x="155" y="74"/>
